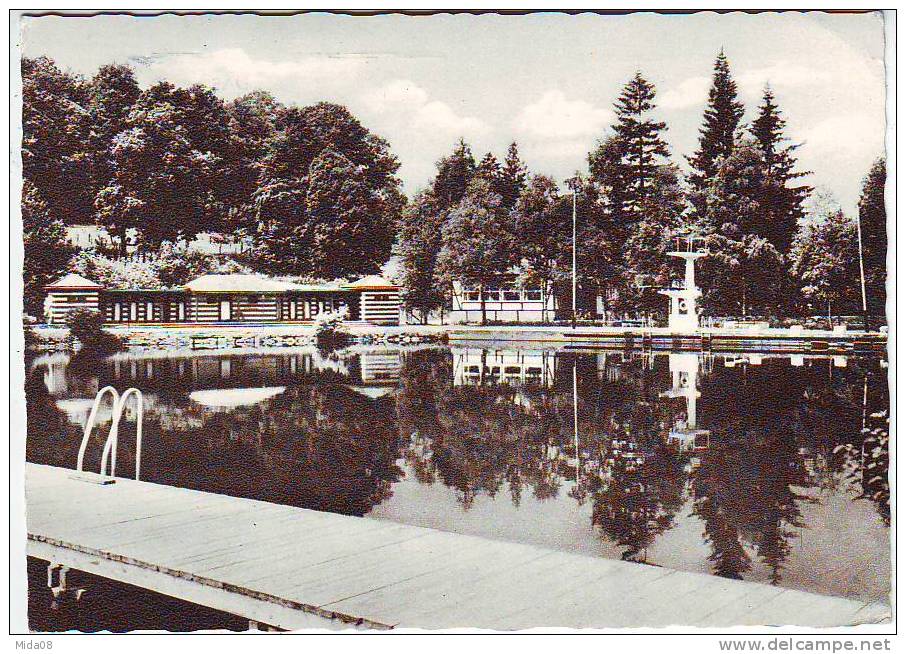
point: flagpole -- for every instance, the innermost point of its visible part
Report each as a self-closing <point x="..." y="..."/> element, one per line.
<point x="862" y="271"/>
<point x="575" y="190"/>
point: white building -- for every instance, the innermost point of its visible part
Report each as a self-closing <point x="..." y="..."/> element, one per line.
<point x="505" y="302"/>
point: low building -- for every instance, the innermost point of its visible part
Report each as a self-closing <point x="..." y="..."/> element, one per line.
<point x="226" y="299"/>
<point x="505" y="302"/>
<point x="68" y="294"/>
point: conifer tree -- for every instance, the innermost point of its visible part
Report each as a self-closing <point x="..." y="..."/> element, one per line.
<point x="642" y="199"/>
<point x="489" y="170"/>
<point x="643" y="149"/>
<point x="513" y="177"/>
<point x="717" y="135"/>
<point x="454" y="173"/>
<point x="873" y="222"/>
<point x="788" y="198"/>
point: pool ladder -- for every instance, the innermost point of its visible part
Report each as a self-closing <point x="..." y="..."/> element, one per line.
<point x="109" y="452"/>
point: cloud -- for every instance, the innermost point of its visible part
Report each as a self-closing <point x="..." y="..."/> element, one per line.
<point x="233" y="72"/>
<point x="783" y="74"/>
<point x="553" y="116"/>
<point x="856" y="134"/>
<point x="411" y="104"/>
<point x="692" y="91"/>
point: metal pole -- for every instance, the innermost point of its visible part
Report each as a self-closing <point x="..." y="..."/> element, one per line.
<point x="576" y="420"/>
<point x="862" y="271"/>
<point x="575" y="190"/>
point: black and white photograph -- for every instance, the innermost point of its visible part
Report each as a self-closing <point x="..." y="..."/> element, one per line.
<point x="484" y="321"/>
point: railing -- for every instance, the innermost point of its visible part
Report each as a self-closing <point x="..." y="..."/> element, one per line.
<point x="110" y="445"/>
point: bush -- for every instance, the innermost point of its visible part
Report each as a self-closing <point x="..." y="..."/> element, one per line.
<point x="87" y="327"/>
<point x="329" y="333"/>
<point x="167" y="267"/>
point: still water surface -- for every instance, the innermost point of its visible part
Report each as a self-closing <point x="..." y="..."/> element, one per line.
<point x="747" y="466"/>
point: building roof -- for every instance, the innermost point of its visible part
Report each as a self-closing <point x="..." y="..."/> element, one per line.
<point x="237" y="283"/>
<point x="372" y="282"/>
<point x="73" y="281"/>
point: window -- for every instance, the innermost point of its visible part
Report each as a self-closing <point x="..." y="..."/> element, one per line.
<point x="471" y="296"/>
<point x="533" y="295"/>
<point x="492" y="296"/>
<point x="511" y="296"/>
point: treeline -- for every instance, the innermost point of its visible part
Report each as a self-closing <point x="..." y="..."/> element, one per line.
<point x="743" y="195"/>
<point x="316" y="194"/>
<point x="311" y="188"/>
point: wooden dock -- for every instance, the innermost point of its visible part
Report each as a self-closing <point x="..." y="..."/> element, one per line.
<point x="294" y="568"/>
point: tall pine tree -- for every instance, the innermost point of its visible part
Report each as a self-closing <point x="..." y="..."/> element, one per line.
<point x="873" y="219"/>
<point x="717" y="136"/>
<point x="788" y="197"/>
<point x="513" y="177"/>
<point x="454" y="173"/>
<point x="643" y="148"/>
<point x="633" y="173"/>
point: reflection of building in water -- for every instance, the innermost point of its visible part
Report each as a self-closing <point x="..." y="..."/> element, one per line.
<point x="609" y="366"/>
<point x="472" y="366"/>
<point x="225" y="399"/>
<point x="685" y="434"/>
<point x="382" y="367"/>
<point x="379" y="372"/>
<point x="202" y="371"/>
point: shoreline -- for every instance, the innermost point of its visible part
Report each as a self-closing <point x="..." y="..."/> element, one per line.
<point x="195" y="337"/>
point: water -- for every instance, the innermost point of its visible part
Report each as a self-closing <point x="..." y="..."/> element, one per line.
<point x="746" y="466"/>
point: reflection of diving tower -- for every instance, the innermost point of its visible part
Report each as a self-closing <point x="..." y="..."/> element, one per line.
<point x="684" y="301"/>
<point x="685" y="434"/>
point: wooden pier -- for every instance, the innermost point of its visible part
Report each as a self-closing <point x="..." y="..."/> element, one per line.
<point x="294" y="568"/>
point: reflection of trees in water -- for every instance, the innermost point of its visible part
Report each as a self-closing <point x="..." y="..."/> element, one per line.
<point x="743" y="492"/>
<point x="866" y="465"/>
<point x="777" y="430"/>
<point x="476" y="439"/>
<point x="318" y="445"/>
<point x="47" y="429"/>
<point x="774" y="428"/>
<point x="637" y="485"/>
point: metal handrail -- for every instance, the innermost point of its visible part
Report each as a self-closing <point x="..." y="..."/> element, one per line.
<point x="110" y="445"/>
<point x="89" y="425"/>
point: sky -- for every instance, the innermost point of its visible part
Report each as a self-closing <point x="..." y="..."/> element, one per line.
<point x="547" y="81"/>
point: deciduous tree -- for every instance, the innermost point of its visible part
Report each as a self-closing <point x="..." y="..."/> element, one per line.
<point x="46" y="249"/>
<point x="478" y="241"/>
<point x="419" y="239"/>
<point x="826" y="263"/>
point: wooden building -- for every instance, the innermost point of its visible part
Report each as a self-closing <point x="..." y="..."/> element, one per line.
<point x="226" y="299"/>
<point x="71" y="293"/>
